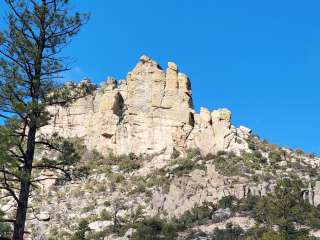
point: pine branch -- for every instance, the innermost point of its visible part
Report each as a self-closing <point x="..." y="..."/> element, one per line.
<point x="54" y="167"/>
<point x="13" y="8"/>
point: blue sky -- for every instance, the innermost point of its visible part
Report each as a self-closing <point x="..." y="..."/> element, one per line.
<point x="260" y="59"/>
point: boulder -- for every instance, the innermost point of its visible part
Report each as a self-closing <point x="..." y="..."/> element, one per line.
<point x="100" y="225"/>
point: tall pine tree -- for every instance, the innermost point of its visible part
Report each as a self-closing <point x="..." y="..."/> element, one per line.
<point x="30" y="64"/>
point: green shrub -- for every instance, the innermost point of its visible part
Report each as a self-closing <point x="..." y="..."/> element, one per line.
<point x="140" y="185"/>
<point x="284" y="207"/>
<point x="129" y="166"/>
<point x="232" y="232"/>
<point x="5" y="230"/>
<point x="185" y="221"/>
<point x="248" y="204"/>
<point x="158" y="179"/>
<point x="116" y="178"/>
<point x="185" y="165"/>
<point x="55" y="234"/>
<point x="193" y="153"/>
<point x="189" y="163"/>
<point x="275" y="157"/>
<point x="228" y="202"/>
<point x="154" y="229"/>
<point x="253" y="161"/>
<point x="126" y="163"/>
<point x="105" y="215"/>
<point x="197" y="215"/>
<point x="80" y="233"/>
<point x="260" y="233"/>
<point x="229" y="164"/>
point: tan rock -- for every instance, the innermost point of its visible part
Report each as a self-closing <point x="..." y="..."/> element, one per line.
<point x="150" y="112"/>
<point x="221" y="115"/>
<point x="202" y="186"/>
<point x="204" y="118"/>
<point x="173" y="66"/>
<point x="317" y="193"/>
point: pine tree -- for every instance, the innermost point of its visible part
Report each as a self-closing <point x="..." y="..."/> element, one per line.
<point x="30" y="66"/>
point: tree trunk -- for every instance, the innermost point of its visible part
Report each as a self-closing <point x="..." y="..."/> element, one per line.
<point x="21" y="214"/>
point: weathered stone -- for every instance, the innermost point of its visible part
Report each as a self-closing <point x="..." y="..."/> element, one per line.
<point x="100" y="225"/>
<point x="150" y="112"/>
<point x="173" y="66"/>
<point x="245" y="129"/>
<point x="221" y="115"/>
<point x="317" y="193"/>
<point x="43" y="216"/>
<point x="203" y="186"/>
<point x="204" y="118"/>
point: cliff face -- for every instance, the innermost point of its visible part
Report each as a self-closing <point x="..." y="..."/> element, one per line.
<point x="151" y="112"/>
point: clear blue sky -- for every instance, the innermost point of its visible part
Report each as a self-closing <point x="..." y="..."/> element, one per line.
<point x="260" y="59"/>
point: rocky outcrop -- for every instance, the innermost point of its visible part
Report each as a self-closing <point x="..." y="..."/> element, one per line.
<point x="201" y="186"/>
<point x="148" y="113"/>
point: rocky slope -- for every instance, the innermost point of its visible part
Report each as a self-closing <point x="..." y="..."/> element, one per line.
<point x="114" y="186"/>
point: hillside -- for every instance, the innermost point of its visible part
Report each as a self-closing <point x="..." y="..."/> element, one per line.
<point x="153" y="168"/>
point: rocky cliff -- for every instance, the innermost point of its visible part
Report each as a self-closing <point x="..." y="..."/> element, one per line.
<point x="157" y="157"/>
<point x="151" y="112"/>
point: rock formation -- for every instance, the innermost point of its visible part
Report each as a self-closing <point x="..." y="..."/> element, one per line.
<point x="151" y="112"/>
<point x="201" y="186"/>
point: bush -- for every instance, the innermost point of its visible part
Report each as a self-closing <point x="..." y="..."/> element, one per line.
<point x="185" y="165"/>
<point x="253" y="161"/>
<point x="193" y="153"/>
<point x="55" y="234"/>
<point x="230" y="233"/>
<point x="105" y="215"/>
<point x="5" y="231"/>
<point x="263" y="233"/>
<point x="159" y="179"/>
<point x="197" y="215"/>
<point x="188" y="164"/>
<point x="140" y="185"/>
<point x="274" y="157"/>
<point x="83" y="227"/>
<point x="154" y="229"/>
<point x="248" y="204"/>
<point x="115" y="178"/>
<point x="284" y="207"/>
<point x="252" y="146"/>
<point x="228" y="164"/>
<point x="228" y="202"/>
<point x="127" y="163"/>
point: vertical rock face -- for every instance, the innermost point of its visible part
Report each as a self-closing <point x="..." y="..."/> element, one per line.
<point x="150" y="112"/>
<point x="157" y="107"/>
